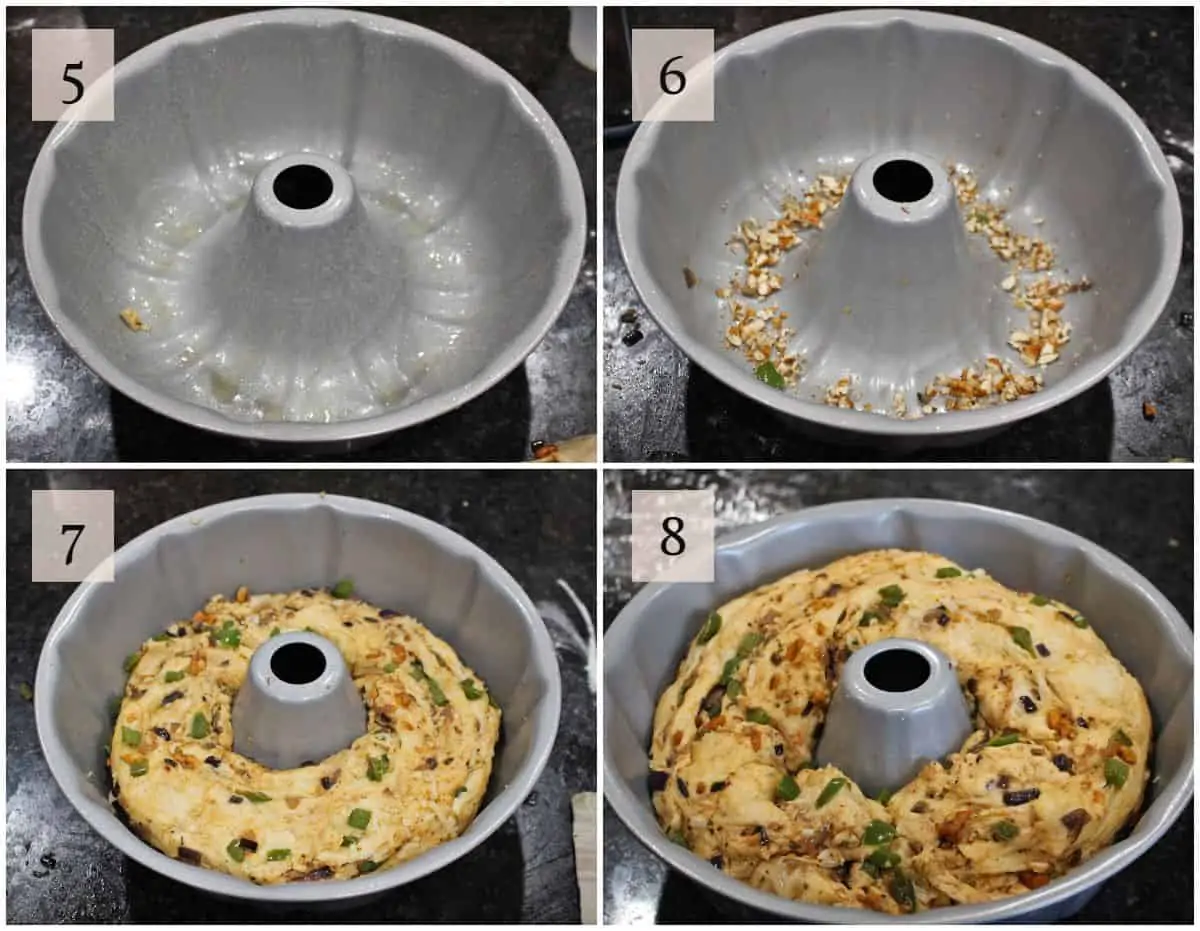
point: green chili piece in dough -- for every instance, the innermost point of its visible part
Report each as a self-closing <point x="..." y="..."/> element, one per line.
<point x="1115" y="772"/>
<point x="173" y="675"/>
<point x="343" y="589"/>
<point x="131" y="661"/>
<point x="891" y="595"/>
<point x="130" y="737"/>
<point x="710" y="628"/>
<point x="469" y="689"/>
<point x="367" y="866"/>
<point x="435" y="690"/>
<point x="359" y="819"/>
<point x="279" y="853"/>
<point x="139" y="767"/>
<point x="257" y="797"/>
<point x="1080" y="621"/>
<point x="884" y="796"/>
<point x="1003" y="740"/>
<point x="228" y="636"/>
<point x="948" y="572"/>
<point x="878" y="832"/>
<point x="758" y="716"/>
<point x="747" y="645"/>
<point x="1040" y="600"/>
<point x="200" y="728"/>
<point x="236" y="853"/>
<point x="832" y="788"/>
<point x="1004" y="830"/>
<point x="349" y="840"/>
<point x="1021" y="637"/>
<point x="867" y="617"/>
<point x="901" y="888"/>
<point x="883" y="858"/>
<point x="787" y="789"/>
<point x="377" y="766"/>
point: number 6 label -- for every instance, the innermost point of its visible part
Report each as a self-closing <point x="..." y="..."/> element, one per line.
<point x="72" y="536"/>
<point x="673" y="536"/>
<point x="674" y="64"/>
<point x="73" y="66"/>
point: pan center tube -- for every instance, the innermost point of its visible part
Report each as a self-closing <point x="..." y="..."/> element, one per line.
<point x="897" y="706"/>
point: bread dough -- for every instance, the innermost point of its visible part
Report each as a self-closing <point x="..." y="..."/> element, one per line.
<point x="419" y="772"/>
<point x="990" y="821"/>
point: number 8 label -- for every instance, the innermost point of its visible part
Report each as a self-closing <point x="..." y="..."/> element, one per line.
<point x="673" y="65"/>
<point x="673" y="536"/>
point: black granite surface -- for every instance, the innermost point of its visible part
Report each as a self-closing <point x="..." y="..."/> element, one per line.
<point x="1143" y="517"/>
<point x="59" y="411"/>
<point x="540" y="525"/>
<point x="660" y="407"/>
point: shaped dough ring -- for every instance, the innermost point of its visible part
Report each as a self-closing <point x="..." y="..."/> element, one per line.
<point x="1056" y="766"/>
<point x="415" y="779"/>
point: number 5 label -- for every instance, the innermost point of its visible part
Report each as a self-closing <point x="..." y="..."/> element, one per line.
<point x="673" y="536"/>
<point x="73" y="66"/>
<point x="675" y="64"/>
<point x="72" y="536"/>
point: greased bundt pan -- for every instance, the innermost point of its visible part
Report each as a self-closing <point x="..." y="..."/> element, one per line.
<point x="901" y="224"/>
<point x="647" y="640"/>
<point x="292" y="712"/>
<point x="306" y="225"/>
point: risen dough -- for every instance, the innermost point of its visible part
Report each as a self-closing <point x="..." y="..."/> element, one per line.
<point x="991" y="821"/>
<point x="420" y="771"/>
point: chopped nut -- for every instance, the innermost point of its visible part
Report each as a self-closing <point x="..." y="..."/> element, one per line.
<point x="760" y="335"/>
<point x="132" y="319"/>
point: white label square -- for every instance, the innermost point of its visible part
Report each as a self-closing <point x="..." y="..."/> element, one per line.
<point x="73" y="66"/>
<point x="673" y="536"/>
<point x="73" y="536"/>
<point x="675" y="64"/>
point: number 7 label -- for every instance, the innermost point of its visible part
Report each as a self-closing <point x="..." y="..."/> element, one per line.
<point x="72" y="536"/>
<point x="673" y="536"/>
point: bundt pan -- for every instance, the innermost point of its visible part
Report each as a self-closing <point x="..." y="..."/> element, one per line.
<point x="894" y="291"/>
<point x="648" y="638"/>
<point x="306" y="225"/>
<point x="279" y="543"/>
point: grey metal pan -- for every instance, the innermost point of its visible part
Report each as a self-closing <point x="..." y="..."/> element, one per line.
<point x="646" y="641"/>
<point x="449" y="238"/>
<point x="830" y="91"/>
<point x="280" y="543"/>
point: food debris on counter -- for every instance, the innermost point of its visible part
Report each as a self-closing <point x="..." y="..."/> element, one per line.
<point x="577" y="449"/>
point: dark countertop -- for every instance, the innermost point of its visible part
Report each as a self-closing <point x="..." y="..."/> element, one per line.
<point x="1144" y="518"/>
<point x="59" y="411"/>
<point x="540" y="525"/>
<point x="667" y="409"/>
